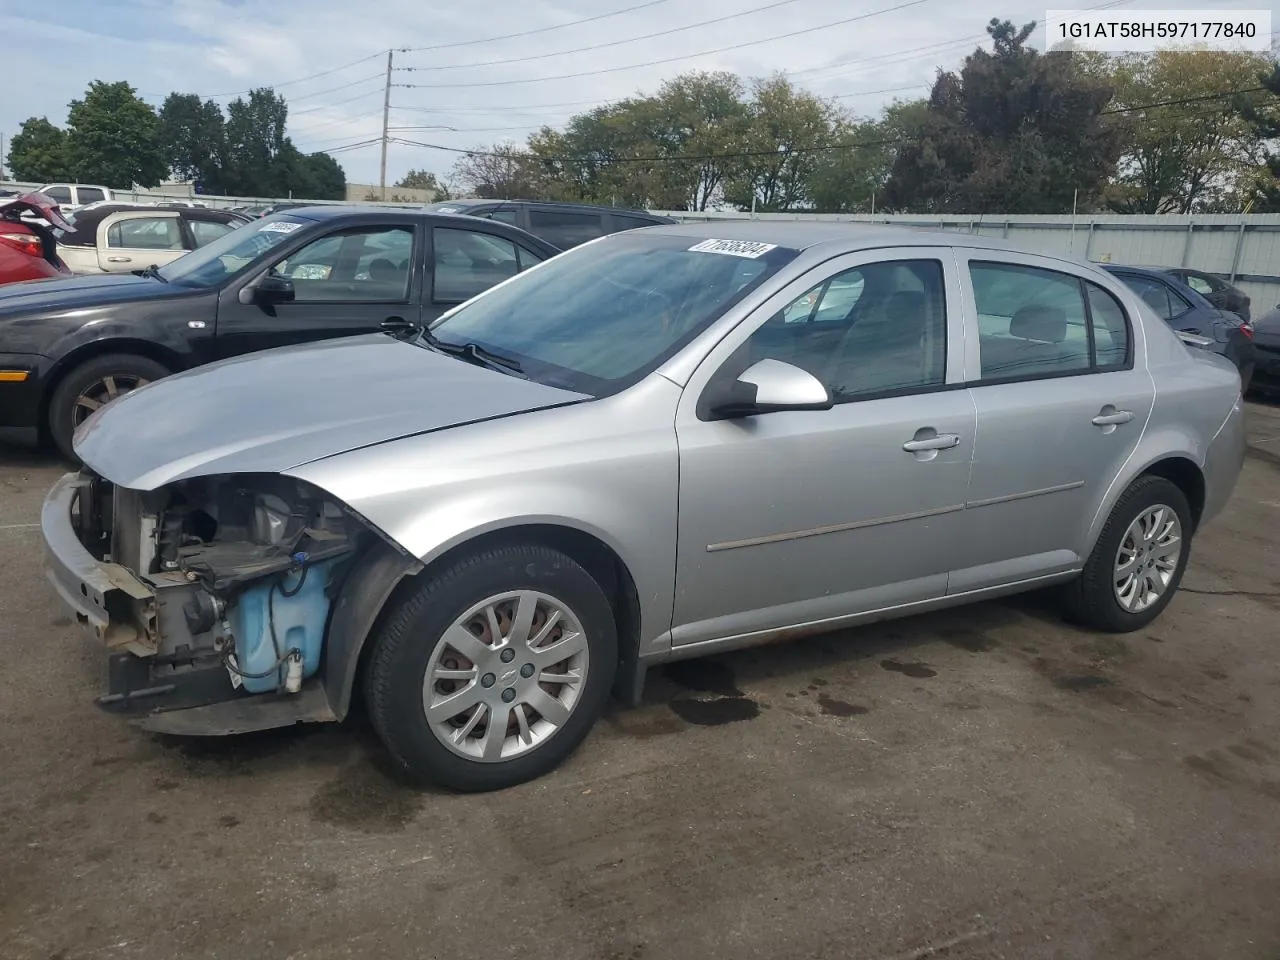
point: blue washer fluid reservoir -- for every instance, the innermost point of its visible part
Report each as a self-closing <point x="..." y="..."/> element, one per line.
<point x="299" y="621"/>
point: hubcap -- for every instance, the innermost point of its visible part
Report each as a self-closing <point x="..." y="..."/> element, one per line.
<point x="101" y="392"/>
<point x="1148" y="558"/>
<point x="505" y="676"/>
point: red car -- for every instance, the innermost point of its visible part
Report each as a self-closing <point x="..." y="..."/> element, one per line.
<point x="28" y="251"/>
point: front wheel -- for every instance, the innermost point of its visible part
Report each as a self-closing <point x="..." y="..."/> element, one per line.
<point x="493" y="671"/>
<point x="91" y="385"/>
<point x="1137" y="564"/>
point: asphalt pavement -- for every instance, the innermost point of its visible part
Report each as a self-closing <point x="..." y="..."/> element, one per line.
<point x="981" y="783"/>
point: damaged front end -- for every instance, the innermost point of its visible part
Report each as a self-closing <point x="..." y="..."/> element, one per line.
<point x="213" y="595"/>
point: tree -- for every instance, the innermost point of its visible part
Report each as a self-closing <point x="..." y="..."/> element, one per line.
<point x="111" y="138"/>
<point x="1190" y="154"/>
<point x="193" y="140"/>
<point x="323" y="176"/>
<point x="423" y="180"/>
<point x="38" y="152"/>
<point x="1263" y="115"/>
<point x="1015" y="131"/>
<point x="501" y="172"/>
<point x="255" y="161"/>
<point x="786" y="132"/>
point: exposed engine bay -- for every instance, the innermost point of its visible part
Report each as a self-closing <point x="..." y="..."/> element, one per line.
<point x="242" y="571"/>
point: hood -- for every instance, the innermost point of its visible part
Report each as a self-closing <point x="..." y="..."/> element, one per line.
<point x="36" y="203"/>
<point x="271" y="411"/>
<point x="75" y="293"/>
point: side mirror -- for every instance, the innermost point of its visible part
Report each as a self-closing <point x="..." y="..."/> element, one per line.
<point x="771" y="386"/>
<point x="273" y="288"/>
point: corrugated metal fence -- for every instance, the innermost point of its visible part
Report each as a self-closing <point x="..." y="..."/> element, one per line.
<point x="1242" y="247"/>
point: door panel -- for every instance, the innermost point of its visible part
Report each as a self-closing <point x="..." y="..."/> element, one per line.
<point x="1053" y="436"/>
<point x="795" y="517"/>
<point x="346" y="282"/>
<point x="134" y="241"/>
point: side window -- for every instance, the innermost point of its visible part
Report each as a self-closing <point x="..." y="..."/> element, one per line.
<point x="468" y="262"/>
<point x="1031" y="322"/>
<point x="528" y="258"/>
<point x="146" y="233"/>
<point x="90" y="194"/>
<point x="206" y="231"/>
<point x="1199" y="284"/>
<point x="502" y="216"/>
<point x="58" y="194"/>
<point x="1160" y="297"/>
<point x="1111" y="338"/>
<point x="367" y="264"/>
<point x="869" y="331"/>
<point x="623" y="222"/>
<point x="565" y="229"/>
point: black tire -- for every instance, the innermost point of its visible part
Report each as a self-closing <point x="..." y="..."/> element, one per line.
<point x="402" y="651"/>
<point x="62" y="405"/>
<point x="1091" y="599"/>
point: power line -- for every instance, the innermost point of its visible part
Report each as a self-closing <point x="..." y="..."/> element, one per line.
<point x="602" y="46"/>
<point x="530" y="33"/>
<point x="336" y="103"/>
<point x="289" y="83"/>
<point x="345" y="86"/>
<point x="690" y="56"/>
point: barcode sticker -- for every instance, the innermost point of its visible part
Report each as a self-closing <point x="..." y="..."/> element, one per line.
<point x="279" y="226"/>
<point x="750" y="249"/>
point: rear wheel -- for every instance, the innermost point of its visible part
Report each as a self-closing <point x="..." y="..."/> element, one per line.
<point x="494" y="670"/>
<point x="92" y="385"/>
<point x="1137" y="563"/>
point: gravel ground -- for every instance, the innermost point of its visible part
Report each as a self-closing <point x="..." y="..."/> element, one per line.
<point x="976" y="784"/>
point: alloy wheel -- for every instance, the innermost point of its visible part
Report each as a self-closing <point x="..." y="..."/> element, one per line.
<point x="102" y="392"/>
<point x="1147" y="558"/>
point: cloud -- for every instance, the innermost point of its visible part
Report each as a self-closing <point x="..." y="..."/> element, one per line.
<point x="213" y="47"/>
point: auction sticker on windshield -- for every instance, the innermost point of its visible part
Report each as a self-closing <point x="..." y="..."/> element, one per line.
<point x="735" y="248"/>
<point x="279" y="226"/>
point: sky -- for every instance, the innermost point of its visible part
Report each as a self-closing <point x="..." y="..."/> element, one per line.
<point x="329" y="58"/>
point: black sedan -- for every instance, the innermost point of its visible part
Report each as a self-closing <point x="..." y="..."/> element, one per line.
<point x="69" y="346"/>
<point x="1223" y="295"/>
<point x="1191" y="314"/>
<point x="1267" y="342"/>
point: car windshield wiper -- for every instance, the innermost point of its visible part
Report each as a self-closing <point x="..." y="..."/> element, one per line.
<point x="473" y="353"/>
<point x="154" y="273"/>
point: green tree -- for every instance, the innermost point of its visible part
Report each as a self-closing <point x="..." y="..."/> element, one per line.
<point x="38" y="152"/>
<point x="500" y="172"/>
<point x="786" y="132"/>
<point x="1191" y="154"/>
<point x="256" y="164"/>
<point x="1263" y="114"/>
<point x="322" y="176"/>
<point x="1015" y="131"/>
<point x="111" y="138"/>
<point x="424" y="180"/>
<point x="193" y="140"/>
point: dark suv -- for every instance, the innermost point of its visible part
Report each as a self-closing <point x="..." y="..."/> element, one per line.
<point x="564" y="225"/>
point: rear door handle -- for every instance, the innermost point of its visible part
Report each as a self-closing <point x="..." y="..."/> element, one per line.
<point x="1112" y="419"/>
<point x="942" y="441"/>
<point x="119" y="259"/>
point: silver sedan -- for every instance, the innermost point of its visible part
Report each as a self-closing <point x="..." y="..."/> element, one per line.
<point x="665" y="443"/>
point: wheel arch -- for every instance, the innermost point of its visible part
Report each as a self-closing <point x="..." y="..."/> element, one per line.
<point x="388" y="576"/>
<point x="1177" y="463"/>
<point x="93" y="349"/>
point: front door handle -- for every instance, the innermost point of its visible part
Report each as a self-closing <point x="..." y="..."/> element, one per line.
<point x="1114" y="418"/>
<point x="119" y="259"/>
<point x="942" y="441"/>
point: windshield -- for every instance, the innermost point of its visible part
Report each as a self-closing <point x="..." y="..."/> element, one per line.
<point x="230" y="253"/>
<point x="601" y="317"/>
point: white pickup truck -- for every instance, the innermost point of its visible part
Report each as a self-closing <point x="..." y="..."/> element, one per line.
<point x="69" y="196"/>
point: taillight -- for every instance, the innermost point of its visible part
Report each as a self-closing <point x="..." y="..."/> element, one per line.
<point x="1247" y="330"/>
<point x="27" y="243"/>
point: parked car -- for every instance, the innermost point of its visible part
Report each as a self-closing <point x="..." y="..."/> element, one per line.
<point x="563" y="224"/>
<point x="1215" y="289"/>
<point x="1186" y="311"/>
<point x="71" y="196"/>
<point x="652" y="447"/>
<point x="28" y="250"/>
<point x="69" y="346"/>
<point x="1266" y="341"/>
<point x="128" y="237"/>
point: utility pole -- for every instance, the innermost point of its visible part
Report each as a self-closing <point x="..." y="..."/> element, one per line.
<point x="386" y="119"/>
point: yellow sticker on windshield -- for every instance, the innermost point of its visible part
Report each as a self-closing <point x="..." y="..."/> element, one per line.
<point x="735" y="248"/>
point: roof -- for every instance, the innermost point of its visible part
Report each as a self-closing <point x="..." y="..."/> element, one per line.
<point x="1131" y="268"/>
<point x="802" y="234"/>
<point x="572" y="205"/>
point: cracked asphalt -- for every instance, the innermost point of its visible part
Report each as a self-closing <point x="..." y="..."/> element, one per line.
<point x="982" y="783"/>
